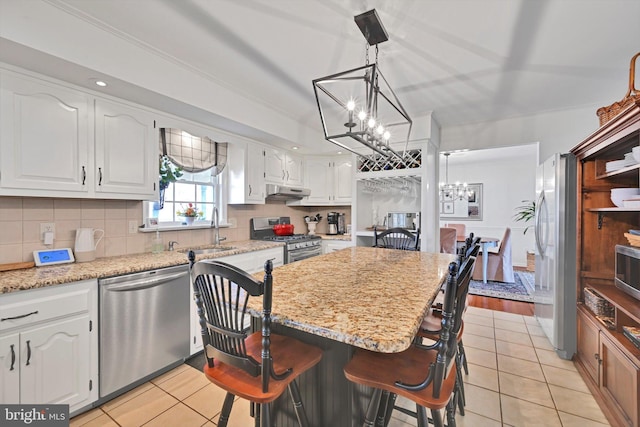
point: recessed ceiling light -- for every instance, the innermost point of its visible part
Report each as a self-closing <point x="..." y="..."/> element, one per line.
<point x="101" y="83"/>
<point x="339" y="152"/>
<point x="295" y="148"/>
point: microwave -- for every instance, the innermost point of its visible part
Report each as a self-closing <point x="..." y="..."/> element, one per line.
<point x="628" y="270"/>
<point x="410" y="220"/>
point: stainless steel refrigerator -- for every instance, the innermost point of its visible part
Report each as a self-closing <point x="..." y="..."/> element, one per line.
<point x="555" y="233"/>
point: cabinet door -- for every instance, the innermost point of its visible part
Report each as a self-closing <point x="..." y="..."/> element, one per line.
<point x="588" y="345"/>
<point x="329" y="246"/>
<point x="55" y="362"/>
<point x="294" y="168"/>
<point x="255" y="173"/>
<point x="343" y="169"/>
<point x="10" y="369"/>
<point x="44" y="136"/>
<point x="126" y="151"/>
<point x="619" y="380"/>
<point x="274" y="166"/>
<point x="319" y="180"/>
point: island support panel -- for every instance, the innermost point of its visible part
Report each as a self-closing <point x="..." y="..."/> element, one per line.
<point x="329" y="399"/>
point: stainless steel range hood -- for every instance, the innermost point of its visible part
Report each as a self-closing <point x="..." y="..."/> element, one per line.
<point x="284" y="192"/>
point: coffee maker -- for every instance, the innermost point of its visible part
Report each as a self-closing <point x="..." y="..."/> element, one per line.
<point x="332" y="220"/>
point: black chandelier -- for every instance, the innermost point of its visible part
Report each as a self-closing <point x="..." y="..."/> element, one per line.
<point x="359" y="104"/>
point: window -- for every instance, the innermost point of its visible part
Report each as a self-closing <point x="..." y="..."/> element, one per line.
<point x="200" y="189"/>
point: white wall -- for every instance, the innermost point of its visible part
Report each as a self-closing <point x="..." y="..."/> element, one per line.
<point x="556" y="131"/>
<point x="508" y="178"/>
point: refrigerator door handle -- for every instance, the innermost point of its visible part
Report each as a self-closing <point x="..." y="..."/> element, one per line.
<point x="540" y="205"/>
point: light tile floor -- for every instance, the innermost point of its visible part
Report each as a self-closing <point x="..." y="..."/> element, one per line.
<point x="515" y="379"/>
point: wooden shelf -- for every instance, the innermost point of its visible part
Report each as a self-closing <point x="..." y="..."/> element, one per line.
<point x="620" y="300"/>
<point x="619" y="172"/>
<point x="612" y="209"/>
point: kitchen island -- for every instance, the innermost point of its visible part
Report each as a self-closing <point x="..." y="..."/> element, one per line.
<point x="356" y="297"/>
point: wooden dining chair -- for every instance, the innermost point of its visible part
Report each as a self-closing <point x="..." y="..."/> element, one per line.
<point x="423" y="374"/>
<point x="397" y="238"/>
<point x="257" y="366"/>
<point x="499" y="261"/>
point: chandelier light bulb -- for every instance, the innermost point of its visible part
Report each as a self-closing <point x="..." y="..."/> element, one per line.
<point x="351" y="105"/>
<point x="386" y="135"/>
<point x="371" y="123"/>
<point x="362" y="115"/>
<point x="380" y="129"/>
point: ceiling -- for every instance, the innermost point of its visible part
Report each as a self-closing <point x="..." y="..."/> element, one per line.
<point x="467" y="61"/>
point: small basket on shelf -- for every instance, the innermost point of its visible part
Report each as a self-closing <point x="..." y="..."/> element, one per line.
<point x="598" y="305"/>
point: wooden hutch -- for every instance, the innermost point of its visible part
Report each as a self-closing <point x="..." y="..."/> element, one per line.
<point x="606" y="359"/>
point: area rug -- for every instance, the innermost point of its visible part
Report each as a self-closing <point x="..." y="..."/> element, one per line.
<point x="521" y="290"/>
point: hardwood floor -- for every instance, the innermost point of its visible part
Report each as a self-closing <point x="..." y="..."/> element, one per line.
<point x="515" y="307"/>
<point x="508" y="306"/>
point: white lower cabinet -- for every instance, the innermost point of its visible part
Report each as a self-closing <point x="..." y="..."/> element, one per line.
<point x="251" y="262"/>
<point x="10" y="368"/>
<point x="335" y="245"/>
<point x="49" y="346"/>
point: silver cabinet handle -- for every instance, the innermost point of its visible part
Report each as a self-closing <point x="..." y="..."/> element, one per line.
<point x="249" y="189"/>
<point x="84" y="175"/>
<point x="100" y="176"/>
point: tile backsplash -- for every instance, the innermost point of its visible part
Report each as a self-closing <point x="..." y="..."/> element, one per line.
<point x="20" y="219"/>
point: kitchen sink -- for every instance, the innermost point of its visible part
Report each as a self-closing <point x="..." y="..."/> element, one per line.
<point x="208" y="250"/>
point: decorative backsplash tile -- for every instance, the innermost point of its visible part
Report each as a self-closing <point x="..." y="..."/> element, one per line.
<point x="20" y="219"/>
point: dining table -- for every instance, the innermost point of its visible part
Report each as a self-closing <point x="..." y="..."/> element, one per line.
<point x="358" y="297"/>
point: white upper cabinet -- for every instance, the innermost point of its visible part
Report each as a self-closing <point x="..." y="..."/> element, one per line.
<point x="329" y="179"/>
<point x="342" y="179"/>
<point x="44" y="137"/>
<point x="283" y="168"/>
<point x="126" y="150"/>
<point x="319" y="179"/>
<point x="246" y="173"/>
<point x="54" y="142"/>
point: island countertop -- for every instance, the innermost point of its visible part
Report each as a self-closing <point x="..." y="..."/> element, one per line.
<point x="366" y="297"/>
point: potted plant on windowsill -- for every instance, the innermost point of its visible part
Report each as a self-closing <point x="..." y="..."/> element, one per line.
<point x="190" y="213"/>
<point x="168" y="173"/>
<point x="526" y="213"/>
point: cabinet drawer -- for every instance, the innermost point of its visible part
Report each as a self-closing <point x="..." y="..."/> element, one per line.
<point x="22" y="308"/>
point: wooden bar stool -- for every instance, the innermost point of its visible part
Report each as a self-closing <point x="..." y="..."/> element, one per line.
<point x="222" y="293"/>
<point x="425" y="375"/>
<point x="430" y="328"/>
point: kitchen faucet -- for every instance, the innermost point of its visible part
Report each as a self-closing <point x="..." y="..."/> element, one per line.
<point x="216" y="228"/>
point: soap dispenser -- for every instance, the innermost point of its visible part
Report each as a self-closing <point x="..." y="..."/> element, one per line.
<point x="156" y="245"/>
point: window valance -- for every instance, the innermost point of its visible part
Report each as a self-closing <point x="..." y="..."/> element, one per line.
<point x="193" y="153"/>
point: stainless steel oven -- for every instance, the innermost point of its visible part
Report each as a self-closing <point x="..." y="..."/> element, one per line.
<point x="305" y="252"/>
<point x="297" y="246"/>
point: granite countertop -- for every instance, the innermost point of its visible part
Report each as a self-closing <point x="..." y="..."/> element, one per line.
<point x="367" y="297"/>
<point x="346" y="237"/>
<point x="39" y="277"/>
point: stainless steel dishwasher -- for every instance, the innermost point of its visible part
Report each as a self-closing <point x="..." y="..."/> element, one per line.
<point x="144" y="325"/>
